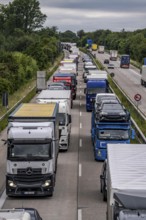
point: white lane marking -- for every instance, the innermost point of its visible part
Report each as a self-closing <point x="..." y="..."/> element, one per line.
<point x="80" y="91"/>
<point x="80" y="125"/>
<point x="80" y="103"/>
<point x="80" y="114"/>
<point x="81" y="142"/>
<point x="2" y="199"/>
<point x="79" y="214"/>
<point x="80" y="169"/>
<point x="80" y="97"/>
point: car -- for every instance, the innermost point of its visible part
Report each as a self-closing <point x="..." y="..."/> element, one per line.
<point x="103" y="181"/>
<point x="56" y="88"/>
<point x="113" y="111"/>
<point x="33" y="213"/>
<point x="63" y="85"/>
<point x="106" y="61"/>
<point x="110" y="66"/>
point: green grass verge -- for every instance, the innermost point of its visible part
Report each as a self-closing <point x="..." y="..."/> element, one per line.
<point x="27" y="92"/>
<point x="134" y="113"/>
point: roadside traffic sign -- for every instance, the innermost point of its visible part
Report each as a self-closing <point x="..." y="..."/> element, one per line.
<point x="137" y="97"/>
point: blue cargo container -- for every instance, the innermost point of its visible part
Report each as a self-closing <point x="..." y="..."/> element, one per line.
<point x="125" y="61"/>
<point x="92" y="88"/>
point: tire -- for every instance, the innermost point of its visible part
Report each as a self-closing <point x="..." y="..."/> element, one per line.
<point x="104" y="195"/>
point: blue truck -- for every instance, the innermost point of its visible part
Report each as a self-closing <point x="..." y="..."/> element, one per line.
<point x="95" y="84"/>
<point x="125" y="61"/>
<point x="110" y="127"/>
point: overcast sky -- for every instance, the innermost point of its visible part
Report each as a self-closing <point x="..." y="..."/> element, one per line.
<point x="91" y="15"/>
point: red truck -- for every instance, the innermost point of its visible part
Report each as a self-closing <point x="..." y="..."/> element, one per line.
<point x="69" y="78"/>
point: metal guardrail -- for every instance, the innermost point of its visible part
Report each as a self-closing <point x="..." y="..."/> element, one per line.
<point x="14" y="106"/>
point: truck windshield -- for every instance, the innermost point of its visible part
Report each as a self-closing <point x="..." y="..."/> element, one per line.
<point x="30" y="151"/>
<point x="96" y="90"/>
<point x="114" y="134"/>
<point x="61" y="119"/>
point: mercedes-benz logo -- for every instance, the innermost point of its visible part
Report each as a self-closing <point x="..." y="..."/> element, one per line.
<point x="29" y="171"/>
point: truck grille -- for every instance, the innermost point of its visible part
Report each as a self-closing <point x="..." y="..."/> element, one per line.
<point x="28" y="179"/>
<point x="29" y="171"/>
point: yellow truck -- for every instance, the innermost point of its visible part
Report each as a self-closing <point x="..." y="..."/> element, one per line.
<point x="94" y="47"/>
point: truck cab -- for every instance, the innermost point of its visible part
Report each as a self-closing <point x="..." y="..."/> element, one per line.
<point x="95" y="84"/>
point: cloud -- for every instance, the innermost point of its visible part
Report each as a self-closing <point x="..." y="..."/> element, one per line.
<point x="94" y="14"/>
<point x="89" y="20"/>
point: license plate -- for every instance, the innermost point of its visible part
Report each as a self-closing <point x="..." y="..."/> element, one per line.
<point x="29" y="193"/>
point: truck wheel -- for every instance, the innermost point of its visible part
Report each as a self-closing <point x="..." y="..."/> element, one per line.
<point x="104" y="195"/>
<point x="71" y="104"/>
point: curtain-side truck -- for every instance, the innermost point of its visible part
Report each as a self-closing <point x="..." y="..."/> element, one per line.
<point x="126" y="182"/>
<point x="32" y="150"/>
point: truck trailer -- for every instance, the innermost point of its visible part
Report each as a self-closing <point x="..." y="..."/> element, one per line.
<point x="113" y="55"/>
<point x="143" y="76"/>
<point x="63" y="98"/>
<point x="94" y="47"/>
<point x="125" y="61"/>
<point x="41" y="82"/>
<point x="32" y="150"/>
<point x="126" y="182"/>
<point x="101" y="49"/>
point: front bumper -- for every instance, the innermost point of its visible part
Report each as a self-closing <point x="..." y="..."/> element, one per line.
<point x="30" y="185"/>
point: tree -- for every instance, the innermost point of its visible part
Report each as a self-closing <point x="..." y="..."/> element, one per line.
<point x="80" y="33"/>
<point x="22" y="14"/>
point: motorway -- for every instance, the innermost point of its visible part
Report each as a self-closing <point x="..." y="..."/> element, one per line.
<point x="77" y="190"/>
<point x="127" y="79"/>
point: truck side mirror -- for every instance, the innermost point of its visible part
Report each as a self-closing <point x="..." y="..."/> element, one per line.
<point x="102" y="177"/>
<point x="132" y="134"/>
<point x="5" y="141"/>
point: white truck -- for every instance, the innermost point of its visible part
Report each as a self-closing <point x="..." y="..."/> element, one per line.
<point x="126" y="182"/>
<point x="113" y="55"/>
<point x="143" y="76"/>
<point x="63" y="99"/>
<point x="32" y="150"/>
<point x="101" y="49"/>
<point x="14" y="214"/>
<point x="41" y="81"/>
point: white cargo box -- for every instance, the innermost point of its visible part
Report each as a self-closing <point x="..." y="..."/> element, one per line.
<point x="127" y="167"/>
<point x="96" y="76"/>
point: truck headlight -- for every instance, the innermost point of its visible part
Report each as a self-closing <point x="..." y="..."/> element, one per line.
<point x="11" y="184"/>
<point x="99" y="153"/>
<point x="47" y="183"/>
